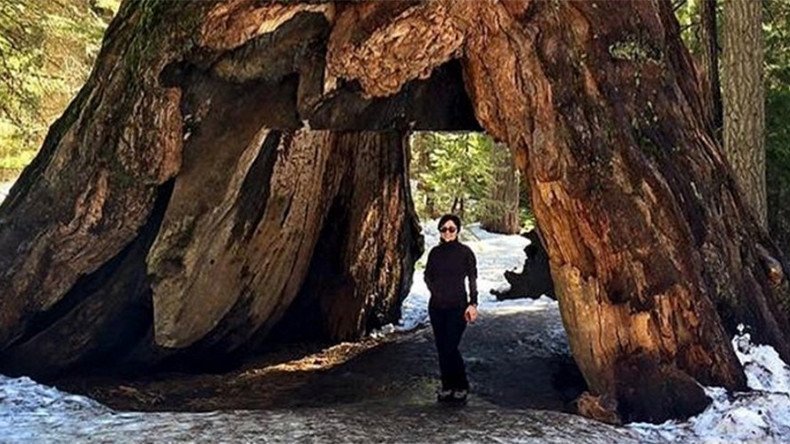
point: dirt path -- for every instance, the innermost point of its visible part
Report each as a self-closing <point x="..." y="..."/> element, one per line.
<point x="375" y="391"/>
<point x="514" y="357"/>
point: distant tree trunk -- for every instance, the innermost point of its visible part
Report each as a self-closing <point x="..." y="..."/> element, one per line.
<point x="457" y="207"/>
<point x="430" y="204"/>
<point x="501" y="214"/>
<point x="711" y="86"/>
<point x="744" y="99"/>
<point x="173" y="210"/>
<point x="423" y="164"/>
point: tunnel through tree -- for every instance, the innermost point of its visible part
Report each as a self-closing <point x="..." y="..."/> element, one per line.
<point x="178" y="208"/>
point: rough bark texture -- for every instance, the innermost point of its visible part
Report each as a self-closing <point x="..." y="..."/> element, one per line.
<point x="360" y="273"/>
<point x="242" y="194"/>
<point x="502" y="209"/>
<point x="646" y="255"/>
<point x="93" y="185"/>
<point x="654" y="255"/>
<point x="99" y="319"/>
<point x="744" y="100"/>
<point x="230" y="255"/>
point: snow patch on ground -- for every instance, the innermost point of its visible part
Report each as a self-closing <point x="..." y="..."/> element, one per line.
<point x="762" y="415"/>
<point x="5" y="187"/>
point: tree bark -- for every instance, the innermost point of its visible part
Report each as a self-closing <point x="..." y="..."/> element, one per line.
<point x="230" y="256"/>
<point x="422" y="163"/>
<point x="744" y="100"/>
<point x="94" y="183"/>
<point x="193" y="157"/>
<point x="225" y="253"/>
<point x="361" y="272"/>
<point x="501" y="214"/>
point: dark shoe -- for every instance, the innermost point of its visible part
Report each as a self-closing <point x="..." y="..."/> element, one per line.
<point x="459" y="396"/>
<point x="444" y="395"/>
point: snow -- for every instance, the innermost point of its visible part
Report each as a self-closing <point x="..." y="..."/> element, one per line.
<point x="5" y="187"/>
<point x="34" y="412"/>
<point x="762" y="415"/>
<point x="764" y="369"/>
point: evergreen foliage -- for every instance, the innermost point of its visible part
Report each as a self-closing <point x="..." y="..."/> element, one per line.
<point x="454" y="172"/>
<point x="47" y="48"/>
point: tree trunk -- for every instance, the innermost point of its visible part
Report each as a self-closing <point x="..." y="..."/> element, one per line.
<point x="360" y="273"/>
<point x="217" y="261"/>
<point x="645" y="228"/>
<point x="237" y="238"/>
<point x="73" y="216"/>
<point x="501" y="214"/>
<point x="534" y="280"/>
<point x="422" y="163"/>
<point x="744" y="100"/>
<point x="186" y="166"/>
<point x="711" y="86"/>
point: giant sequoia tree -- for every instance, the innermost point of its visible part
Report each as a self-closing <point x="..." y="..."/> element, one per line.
<point x="231" y="164"/>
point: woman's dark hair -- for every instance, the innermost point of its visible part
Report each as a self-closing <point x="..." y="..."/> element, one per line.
<point x="456" y="220"/>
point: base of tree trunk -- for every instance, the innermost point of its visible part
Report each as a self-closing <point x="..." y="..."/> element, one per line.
<point x="226" y="227"/>
<point x="535" y="278"/>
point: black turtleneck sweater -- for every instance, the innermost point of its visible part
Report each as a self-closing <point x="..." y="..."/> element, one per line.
<point x="448" y="264"/>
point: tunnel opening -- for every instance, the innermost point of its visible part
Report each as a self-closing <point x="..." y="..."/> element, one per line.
<point x="520" y="360"/>
<point x="360" y="273"/>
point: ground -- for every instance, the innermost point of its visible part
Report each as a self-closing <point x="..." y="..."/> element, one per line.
<point x="379" y="389"/>
<point x="508" y="365"/>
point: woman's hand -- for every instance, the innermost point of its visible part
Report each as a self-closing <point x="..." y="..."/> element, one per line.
<point x="470" y="315"/>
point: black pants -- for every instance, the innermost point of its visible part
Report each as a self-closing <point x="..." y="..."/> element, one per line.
<point x="448" y="327"/>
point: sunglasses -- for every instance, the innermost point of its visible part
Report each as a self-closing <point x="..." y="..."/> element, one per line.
<point x="446" y="229"/>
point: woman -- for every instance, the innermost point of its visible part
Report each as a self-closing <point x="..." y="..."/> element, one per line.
<point x="449" y="309"/>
